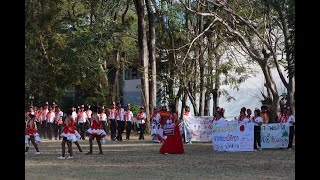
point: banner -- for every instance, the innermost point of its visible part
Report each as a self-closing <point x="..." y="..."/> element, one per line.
<point x="168" y="128"/>
<point x="200" y="128"/>
<point x="232" y="136"/>
<point x="275" y="135"/>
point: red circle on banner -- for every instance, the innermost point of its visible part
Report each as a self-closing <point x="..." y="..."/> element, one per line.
<point x="242" y="128"/>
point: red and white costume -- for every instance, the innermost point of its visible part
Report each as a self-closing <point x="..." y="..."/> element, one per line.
<point x="96" y="128"/>
<point x="112" y="113"/>
<point x="283" y="118"/>
<point x="69" y="130"/>
<point x="31" y="130"/>
<point x="156" y="126"/>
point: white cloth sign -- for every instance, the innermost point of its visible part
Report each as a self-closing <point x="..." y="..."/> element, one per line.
<point x="232" y="136"/>
<point x="200" y="127"/>
<point x="275" y="135"/>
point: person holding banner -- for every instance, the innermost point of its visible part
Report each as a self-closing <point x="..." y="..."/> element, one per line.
<point x="219" y="116"/>
<point x="257" y="120"/>
<point x="185" y="124"/>
<point x="173" y="144"/>
<point x="155" y="121"/>
<point x="283" y="116"/>
<point x="292" y="121"/>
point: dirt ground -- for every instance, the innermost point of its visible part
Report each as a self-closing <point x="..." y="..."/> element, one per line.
<point x="136" y="159"/>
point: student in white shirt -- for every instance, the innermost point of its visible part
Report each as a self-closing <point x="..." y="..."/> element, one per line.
<point x="219" y="117"/>
<point x="112" y="120"/>
<point x="103" y="119"/>
<point x="120" y="121"/>
<point x="128" y="116"/>
<point x="257" y="120"/>
<point x="81" y="120"/>
<point x="187" y="135"/>
<point x="58" y="124"/>
<point x="141" y="117"/>
<point x="50" y="121"/>
<point x="292" y="122"/>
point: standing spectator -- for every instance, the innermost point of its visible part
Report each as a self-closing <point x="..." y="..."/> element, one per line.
<point x="264" y="114"/>
<point x="129" y="122"/>
<point x="58" y="124"/>
<point x="103" y="119"/>
<point x="112" y="119"/>
<point x="186" y="127"/>
<point x="242" y="115"/>
<point x="155" y="121"/>
<point x="50" y="121"/>
<point x="88" y="113"/>
<point x="44" y="114"/>
<point x="38" y="118"/>
<point x="292" y="121"/>
<point x="219" y="116"/>
<point x="74" y="115"/>
<point x="120" y="121"/>
<point x="82" y="119"/>
<point x="257" y="120"/>
<point x="283" y="116"/>
<point x="141" y="117"/>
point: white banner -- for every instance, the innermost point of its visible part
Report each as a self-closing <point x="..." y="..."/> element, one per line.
<point x="275" y="135"/>
<point x="232" y="136"/>
<point x="200" y="127"/>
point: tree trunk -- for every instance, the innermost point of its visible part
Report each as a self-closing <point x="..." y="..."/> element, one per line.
<point x="201" y="62"/>
<point x="143" y="55"/>
<point x="273" y="88"/>
<point x="152" y="57"/>
<point x="184" y="103"/>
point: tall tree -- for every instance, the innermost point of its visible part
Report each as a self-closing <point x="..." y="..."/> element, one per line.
<point x="152" y="56"/>
<point x="143" y="56"/>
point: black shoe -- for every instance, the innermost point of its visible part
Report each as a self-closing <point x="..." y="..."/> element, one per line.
<point x="100" y="152"/>
<point x="88" y="153"/>
<point x="80" y="150"/>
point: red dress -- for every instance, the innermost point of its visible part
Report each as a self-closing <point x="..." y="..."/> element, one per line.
<point x="173" y="144"/>
<point x="31" y="128"/>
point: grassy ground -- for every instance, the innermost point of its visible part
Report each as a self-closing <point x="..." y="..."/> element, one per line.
<point x="137" y="159"/>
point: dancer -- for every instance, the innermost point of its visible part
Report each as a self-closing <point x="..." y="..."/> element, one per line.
<point x="173" y="143"/>
<point x="31" y="134"/>
<point x="68" y="135"/>
<point x="96" y="131"/>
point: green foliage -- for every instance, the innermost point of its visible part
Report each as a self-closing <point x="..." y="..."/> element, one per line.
<point x="134" y="108"/>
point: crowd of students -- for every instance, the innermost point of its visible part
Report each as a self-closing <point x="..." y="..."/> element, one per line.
<point x="92" y="122"/>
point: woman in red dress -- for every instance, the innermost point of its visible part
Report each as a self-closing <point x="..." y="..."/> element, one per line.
<point x="31" y="134"/>
<point x="173" y="143"/>
<point x="68" y="135"/>
<point x="96" y="131"/>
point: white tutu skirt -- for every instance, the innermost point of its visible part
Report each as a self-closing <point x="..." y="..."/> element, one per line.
<point x="70" y="137"/>
<point x="78" y="136"/>
<point x="98" y="132"/>
<point x="27" y="137"/>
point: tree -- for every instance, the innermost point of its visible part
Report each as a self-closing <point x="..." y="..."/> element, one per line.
<point x="143" y="56"/>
